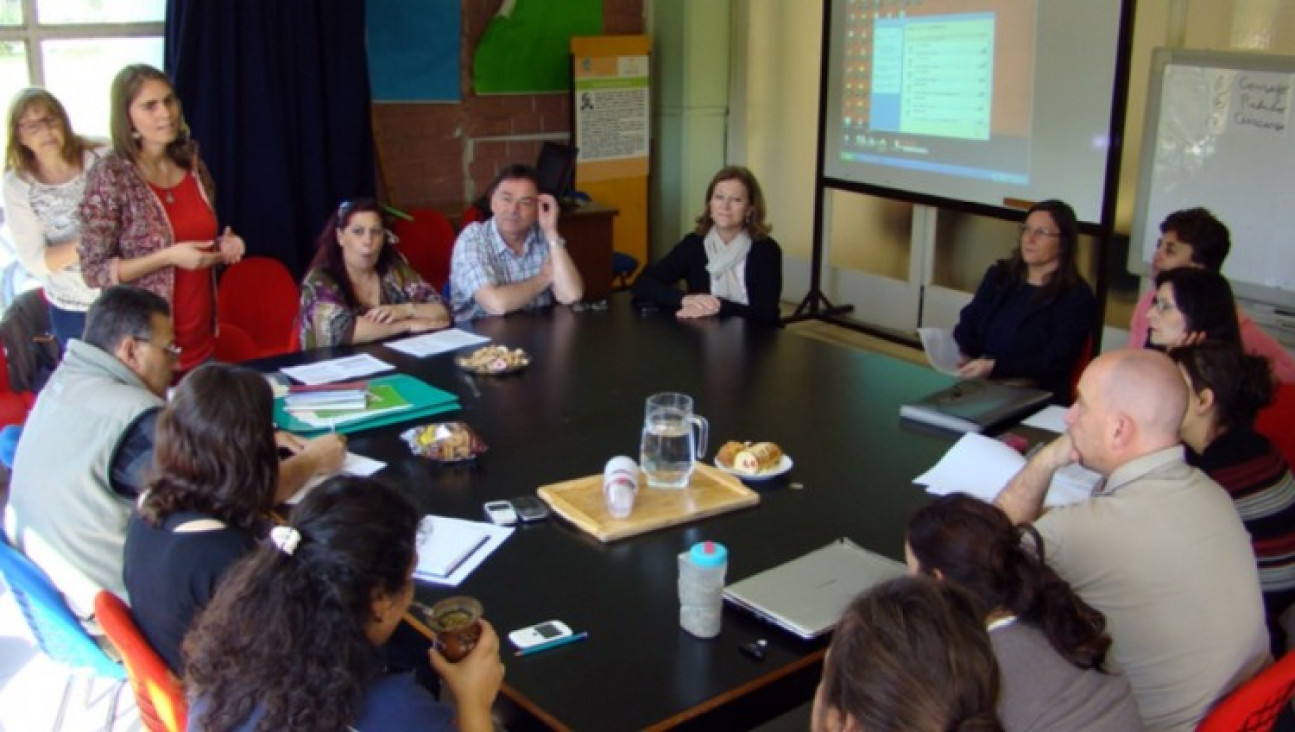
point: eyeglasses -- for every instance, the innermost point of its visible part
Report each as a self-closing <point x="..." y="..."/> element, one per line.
<point x="1027" y="231"/>
<point x="171" y="349"/>
<point x="33" y="126"/>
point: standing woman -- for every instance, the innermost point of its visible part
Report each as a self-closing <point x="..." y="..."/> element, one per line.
<point x="149" y="217"/>
<point x="729" y="263"/>
<point x="359" y="288"/>
<point x="1033" y="312"/>
<point x="45" y="174"/>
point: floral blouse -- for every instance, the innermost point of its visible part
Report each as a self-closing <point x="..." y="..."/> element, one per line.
<point x="326" y="319"/>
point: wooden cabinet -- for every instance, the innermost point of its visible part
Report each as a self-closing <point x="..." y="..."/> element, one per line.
<point x="588" y="231"/>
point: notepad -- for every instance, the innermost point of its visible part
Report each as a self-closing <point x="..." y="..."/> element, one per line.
<point x="450" y="548"/>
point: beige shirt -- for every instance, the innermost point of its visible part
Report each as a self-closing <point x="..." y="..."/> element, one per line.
<point x="1163" y="554"/>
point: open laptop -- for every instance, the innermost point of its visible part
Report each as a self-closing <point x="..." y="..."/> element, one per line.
<point x="807" y="595"/>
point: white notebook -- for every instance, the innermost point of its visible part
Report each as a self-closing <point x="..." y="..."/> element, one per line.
<point x="444" y="544"/>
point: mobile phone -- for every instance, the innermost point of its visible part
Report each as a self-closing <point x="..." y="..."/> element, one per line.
<point x="538" y="634"/>
<point x="529" y="508"/>
<point x="501" y="513"/>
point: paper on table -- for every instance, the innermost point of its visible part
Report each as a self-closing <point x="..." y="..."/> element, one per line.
<point x="941" y="350"/>
<point x="442" y="539"/>
<point x="338" y="369"/>
<point x="430" y="344"/>
<point x="1052" y="419"/>
<point x="981" y="466"/>
<point x="352" y="465"/>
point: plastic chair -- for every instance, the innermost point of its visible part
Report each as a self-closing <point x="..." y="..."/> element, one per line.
<point x="161" y="702"/>
<point x="1277" y="421"/>
<point x="235" y="345"/>
<point x="14" y="405"/>
<point x="1081" y="363"/>
<point x="427" y="243"/>
<point x="472" y="215"/>
<point x="1255" y="704"/>
<point x="57" y="631"/>
<point x="259" y="296"/>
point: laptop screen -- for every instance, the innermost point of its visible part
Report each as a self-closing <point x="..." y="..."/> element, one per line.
<point x="556" y="168"/>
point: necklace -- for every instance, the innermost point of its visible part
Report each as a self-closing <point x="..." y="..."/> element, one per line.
<point x="169" y="198"/>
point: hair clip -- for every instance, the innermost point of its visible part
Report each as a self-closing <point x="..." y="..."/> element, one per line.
<point x="285" y="538"/>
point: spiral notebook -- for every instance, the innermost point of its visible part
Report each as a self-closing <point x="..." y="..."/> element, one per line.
<point x="807" y="595"/>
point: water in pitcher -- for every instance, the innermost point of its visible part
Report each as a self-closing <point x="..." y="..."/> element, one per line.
<point x="667" y="451"/>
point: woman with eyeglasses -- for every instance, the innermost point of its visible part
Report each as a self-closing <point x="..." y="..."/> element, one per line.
<point x="1033" y="312"/>
<point x="359" y="289"/>
<point x="149" y="217"/>
<point x="45" y="173"/>
<point x="1190" y="306"/>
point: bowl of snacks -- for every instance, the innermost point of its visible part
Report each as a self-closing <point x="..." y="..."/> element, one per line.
<point x="494" y="361"/>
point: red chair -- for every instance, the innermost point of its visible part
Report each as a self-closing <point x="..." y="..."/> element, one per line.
<point x="1081" y="363"/>
<point x="259" y="296"/>
<point x="235" y="345"/>
<point x="14" y="405"/>
<point x="1277" y="421"/>
<point x="472" y="215"/>
<point x="427" y="243"/>
<point x="1254" y="705"/>
<point x="161" y="702"/>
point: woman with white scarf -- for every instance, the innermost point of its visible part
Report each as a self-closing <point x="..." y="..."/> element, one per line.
<point x="729" y="263"/>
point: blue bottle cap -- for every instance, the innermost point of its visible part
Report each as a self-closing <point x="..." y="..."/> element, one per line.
<point x="708" y="554"/>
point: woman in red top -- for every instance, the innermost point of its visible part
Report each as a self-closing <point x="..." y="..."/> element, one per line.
<point x="148" y="216"/>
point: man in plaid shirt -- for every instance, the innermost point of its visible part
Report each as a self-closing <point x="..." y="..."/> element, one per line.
<point x="516" y="259"/>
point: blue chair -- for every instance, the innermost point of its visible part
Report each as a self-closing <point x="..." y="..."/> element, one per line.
<point x="623" y="265"/>
<point x="56" y="629"/>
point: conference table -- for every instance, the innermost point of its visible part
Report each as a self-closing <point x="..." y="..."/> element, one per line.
<point x="833" y="409"/>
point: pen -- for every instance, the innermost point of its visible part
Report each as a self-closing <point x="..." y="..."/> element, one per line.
<point x="553" y="644"/>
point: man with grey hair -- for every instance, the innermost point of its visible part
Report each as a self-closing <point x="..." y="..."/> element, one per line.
<point x="88" y="442"/>
<point x="1160" y="549"/>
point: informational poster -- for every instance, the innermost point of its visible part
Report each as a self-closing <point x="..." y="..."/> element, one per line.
<point x="612" y="108"/>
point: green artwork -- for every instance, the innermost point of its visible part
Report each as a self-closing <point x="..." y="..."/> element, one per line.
<point x="527" y="46"/>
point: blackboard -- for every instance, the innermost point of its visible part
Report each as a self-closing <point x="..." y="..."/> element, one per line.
<point x="1219" y="134"/>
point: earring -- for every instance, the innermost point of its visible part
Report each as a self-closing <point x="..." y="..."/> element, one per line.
<point x="134" y="134"/>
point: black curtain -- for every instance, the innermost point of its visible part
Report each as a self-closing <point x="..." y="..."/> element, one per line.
<point x="277" y="96"/>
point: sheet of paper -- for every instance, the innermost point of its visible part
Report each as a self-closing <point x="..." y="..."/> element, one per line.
<point x="430" y="344"/>
<point x="941" y="350"/>
<point x="452" y="528"/>
<point x="352" y="465"/>
<point x="982" y="466"/>
<point x="1051" y="418"/>
<point x="338" y="369"/>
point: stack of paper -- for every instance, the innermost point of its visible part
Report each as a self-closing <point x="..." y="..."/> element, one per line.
<point x="377" y="400"/>
<point x="449" y="548"/>
<point x="981" y="466"/>
<point x="389" y="399"/>
<point x="350" y="395"/>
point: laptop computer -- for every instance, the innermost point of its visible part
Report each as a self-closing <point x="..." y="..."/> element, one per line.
<point x="807" y="595"/>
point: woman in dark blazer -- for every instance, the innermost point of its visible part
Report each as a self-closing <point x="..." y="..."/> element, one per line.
<point x="729" y="263"/>
<point x="1033" y="312"/>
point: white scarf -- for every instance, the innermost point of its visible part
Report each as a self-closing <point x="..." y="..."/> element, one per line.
<point x="722" y="262"/>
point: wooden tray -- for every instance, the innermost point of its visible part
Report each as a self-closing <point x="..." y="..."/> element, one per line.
<point x="710" y="492"/>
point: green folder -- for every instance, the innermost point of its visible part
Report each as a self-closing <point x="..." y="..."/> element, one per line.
<point x="424" y="400"/>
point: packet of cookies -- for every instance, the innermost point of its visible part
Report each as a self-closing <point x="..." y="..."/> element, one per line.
<point x="444" y="441"/>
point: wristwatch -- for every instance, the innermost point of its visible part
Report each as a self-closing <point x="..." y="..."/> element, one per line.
<point x="557" y="243"/>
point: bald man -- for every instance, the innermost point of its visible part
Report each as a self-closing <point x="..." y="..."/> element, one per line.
<point x="1160" y="550"/>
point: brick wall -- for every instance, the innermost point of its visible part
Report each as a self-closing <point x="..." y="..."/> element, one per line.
<point x="439" y="155"/>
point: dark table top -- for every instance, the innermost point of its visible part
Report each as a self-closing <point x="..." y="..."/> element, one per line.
<point x="833" y="409"/>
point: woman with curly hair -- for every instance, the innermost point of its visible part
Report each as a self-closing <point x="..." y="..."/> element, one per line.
<point x="292" y="640"/>
<point x="909" y="655"/>
<point x="1051" y="645"/>
<point x="214" y="477"/>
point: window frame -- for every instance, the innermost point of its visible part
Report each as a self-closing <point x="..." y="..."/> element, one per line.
<point x="32" y="33"/>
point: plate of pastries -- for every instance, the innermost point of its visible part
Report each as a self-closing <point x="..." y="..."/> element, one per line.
<point x="752" y="460"/>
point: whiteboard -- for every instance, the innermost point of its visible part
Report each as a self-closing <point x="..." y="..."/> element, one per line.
<point x="1219" y="134"/>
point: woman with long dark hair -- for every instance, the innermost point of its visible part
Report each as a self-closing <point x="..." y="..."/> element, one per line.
<point x="1227" y="388"/>
<point x="1192" y="304"/>
<point x="148" y="217"/>
<point x="1033" y="312"/>
<point x="1051" y="645"/>
<point x="214" y="478"/>
<point x="359" y="288"/>
<point x="909" y="655"/>
<point x="293" y="638"/>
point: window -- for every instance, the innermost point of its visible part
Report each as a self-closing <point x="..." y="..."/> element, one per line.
<point x="74" y="48"/>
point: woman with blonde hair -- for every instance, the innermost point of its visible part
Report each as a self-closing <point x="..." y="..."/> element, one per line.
<point x="45" y="174"/>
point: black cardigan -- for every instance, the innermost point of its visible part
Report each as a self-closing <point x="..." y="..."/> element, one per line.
<point x="687" y="261"/>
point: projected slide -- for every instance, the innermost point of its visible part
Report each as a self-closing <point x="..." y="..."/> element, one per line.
<point x="942" y="85"/>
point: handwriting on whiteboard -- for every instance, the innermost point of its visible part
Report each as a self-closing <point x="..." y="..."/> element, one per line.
<point x="1262" y="101"/>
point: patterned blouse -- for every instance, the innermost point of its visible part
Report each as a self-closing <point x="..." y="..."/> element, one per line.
<point x="121" y="218"/>
<point x="326" y="319"/>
